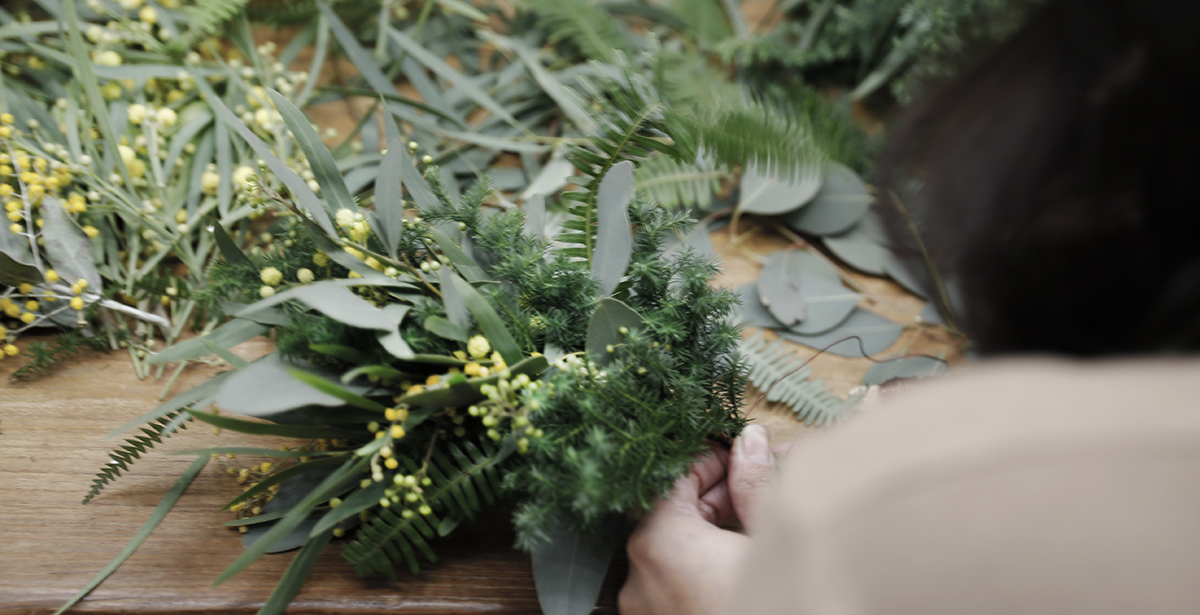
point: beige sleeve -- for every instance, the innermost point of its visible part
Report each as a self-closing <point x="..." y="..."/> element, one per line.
<point x="1013" y="488"/>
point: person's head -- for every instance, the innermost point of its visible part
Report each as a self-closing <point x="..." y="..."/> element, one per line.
<point x="1057" y="181"/>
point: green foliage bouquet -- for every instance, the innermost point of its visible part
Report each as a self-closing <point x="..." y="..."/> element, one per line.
<point x="433" y="357"/>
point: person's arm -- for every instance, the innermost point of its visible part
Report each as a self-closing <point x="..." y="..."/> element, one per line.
<point x="681" y="560"/>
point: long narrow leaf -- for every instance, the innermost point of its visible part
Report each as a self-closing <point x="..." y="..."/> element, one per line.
<point x="333" y="187"/>
<point x="298" y="514"/>
<point x="156" y="517"/>
<point x="330" y="388"/>
<point x="293" y="578"/>
<point x="304" y="432"/>
<point x="489" y="321"/>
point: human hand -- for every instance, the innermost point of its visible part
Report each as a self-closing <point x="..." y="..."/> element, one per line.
<point x="681" y="560"/>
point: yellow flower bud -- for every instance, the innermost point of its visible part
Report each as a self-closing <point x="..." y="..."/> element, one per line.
<point x="478" y="347"/>
<point x="77" y="304"/>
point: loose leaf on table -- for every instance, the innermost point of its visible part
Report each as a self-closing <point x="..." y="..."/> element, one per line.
<point x="156" y="517"/>
<point x="324" y="169"/>
<point x="840" y="203"/>
<point x="772" y="195"/>
<point x="67" y="247"/>
<point x="875" y="333"/>
<point x="779" y="290"/>
<point x="753" y="313"/>
<point x="265" y="387"/>
<point x="861" y="251"/>
<point x="907" y="367"/>
<point x="604" y="328"/>
<point x="569" y="569"/>
<point x="489" y="321"/>
<point x="614" y="238"/>
<point x="828" y="303"/>
<point x="227" y="336"/>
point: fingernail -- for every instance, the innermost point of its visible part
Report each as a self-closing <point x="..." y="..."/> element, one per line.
<point x="756" y="445"/>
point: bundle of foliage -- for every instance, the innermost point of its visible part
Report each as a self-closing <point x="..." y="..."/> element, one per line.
<point x="445" y="364"/>
<point x="111" y="167"/>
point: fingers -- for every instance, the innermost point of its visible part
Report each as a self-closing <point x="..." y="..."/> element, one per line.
<point x="716" y="507"/>
<point x="751" y="471"/>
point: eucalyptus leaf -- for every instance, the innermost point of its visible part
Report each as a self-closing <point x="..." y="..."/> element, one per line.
<point x="753" y="313"/>
<point x="875" y="333"/>
<point x="535" y="216"/>
<point x="226" y="336"/>
<point x="452" y="301"/>
<point x="828" y="303"/>
<point x="265" y="387"/>
<point x="230" y="250"/>
<point x="551" y="179"/>
<point x="452" y="76"/>
<point x="334" y="389"/>
<point x="614" y="238"/>
<point x="295" y="184"/>
<point x="394" y="343"/>
<point x="570" y="569"/>
<point x="773" y="195"/>
<point x="445" y="329"/>
<point x="489" y="321"/>
<point x="779" y="291"/>
<point x="859" y="250"/>
<point x="14" y="272"/>
<point x="389" y="201"/>
<point x="840" y="203"/>
<point x="67" y="247"/>
<point x="604" y="328"/>
<point x="342" y="305"/>
<point x="322" y="492"/>
<point x="333" y="187"/>
<point x="907" y="367"/>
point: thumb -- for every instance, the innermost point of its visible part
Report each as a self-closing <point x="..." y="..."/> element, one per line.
<point x="751" y="471"/>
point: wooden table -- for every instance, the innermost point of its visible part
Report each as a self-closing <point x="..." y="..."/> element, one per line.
<point x="53" y="442"/>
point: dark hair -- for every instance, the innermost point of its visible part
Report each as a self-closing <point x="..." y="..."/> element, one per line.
<point x="1057" y="181"/>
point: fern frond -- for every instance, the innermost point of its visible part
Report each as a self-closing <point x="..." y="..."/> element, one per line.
<point x="463" y="482"/>
<point x="752" y="133"/>
<point x="773" y="366"/>
<point x="583" y="24"/>
<point x="205" y="19"/>
<point x="671" y="183"/>
<point x="124" y="456"/>
<point x="631" y="128"/>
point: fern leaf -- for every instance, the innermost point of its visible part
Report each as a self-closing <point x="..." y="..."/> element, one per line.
<point x="124" y="456"/>
<point x="773" y="366"/>
<point x="205" y="19"/>
<point x="581" y="22"/>
<point x="463" y="482"/>
<point x="750" y="134"/>
<point x="631" y="127"/>
<point x="672" y="183"/>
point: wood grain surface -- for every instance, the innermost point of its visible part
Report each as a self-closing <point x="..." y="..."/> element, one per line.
<point x="53" y="439"/>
